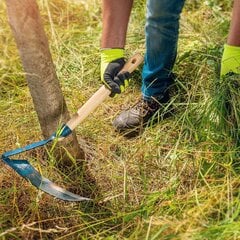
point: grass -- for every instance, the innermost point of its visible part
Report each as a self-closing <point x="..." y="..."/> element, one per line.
<point x="178" y="180"/>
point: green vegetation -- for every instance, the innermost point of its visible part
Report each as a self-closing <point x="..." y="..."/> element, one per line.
<point x="179" y="180"/>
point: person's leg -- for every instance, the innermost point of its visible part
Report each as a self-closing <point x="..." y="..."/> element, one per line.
<point x="162" y="27"/>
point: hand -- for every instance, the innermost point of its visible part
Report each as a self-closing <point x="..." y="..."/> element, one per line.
<point x="230" y="60"/>
<point x="112" y="61"/>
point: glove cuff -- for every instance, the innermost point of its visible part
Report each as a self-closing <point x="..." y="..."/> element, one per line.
<point x="230" y="60"/>
<point x="110" y="54"/>
<point x="230" y="51"/>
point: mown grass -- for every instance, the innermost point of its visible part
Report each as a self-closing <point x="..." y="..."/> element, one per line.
<point x="178" y="180"/>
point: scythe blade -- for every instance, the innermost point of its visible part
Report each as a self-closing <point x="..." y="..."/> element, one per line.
<point x="27" y="171"/>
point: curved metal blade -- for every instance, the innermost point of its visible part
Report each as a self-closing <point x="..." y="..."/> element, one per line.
<point x="26" y="170"/>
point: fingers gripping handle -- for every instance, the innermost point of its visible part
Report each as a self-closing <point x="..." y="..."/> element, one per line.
<point x="103" y="92"/>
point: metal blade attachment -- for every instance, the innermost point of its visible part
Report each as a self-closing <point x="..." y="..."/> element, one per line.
<point x="27" y="171"/>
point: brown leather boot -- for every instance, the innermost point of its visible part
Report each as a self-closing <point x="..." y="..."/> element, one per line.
<point x="132" y="122"/>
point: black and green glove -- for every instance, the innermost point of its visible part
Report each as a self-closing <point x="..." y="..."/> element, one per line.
<point x="230" y="60"/>
<point x="112" y="61"/>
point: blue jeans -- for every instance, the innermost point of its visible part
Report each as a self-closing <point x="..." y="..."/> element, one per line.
<point x="162" y="27"/>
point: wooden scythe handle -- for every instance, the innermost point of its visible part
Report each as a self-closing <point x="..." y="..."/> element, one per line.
<point x="102" y="93"/>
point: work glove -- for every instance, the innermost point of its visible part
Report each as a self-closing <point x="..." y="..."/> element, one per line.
<point x="230" y="60"/>
<point x="112" y="61"/>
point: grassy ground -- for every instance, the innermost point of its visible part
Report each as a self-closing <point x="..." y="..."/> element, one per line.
<point x="179" y="180"/>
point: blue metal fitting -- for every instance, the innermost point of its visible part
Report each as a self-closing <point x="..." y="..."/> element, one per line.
<point x="65" y="131"/>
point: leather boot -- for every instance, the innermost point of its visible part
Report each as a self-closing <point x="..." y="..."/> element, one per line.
<point x="131" y="122"/>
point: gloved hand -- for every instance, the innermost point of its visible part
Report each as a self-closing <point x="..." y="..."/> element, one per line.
<point x="230" y="60"/>
<point x="112" y="61"/>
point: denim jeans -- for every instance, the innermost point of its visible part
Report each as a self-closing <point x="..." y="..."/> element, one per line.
<point x="162" y="28"/>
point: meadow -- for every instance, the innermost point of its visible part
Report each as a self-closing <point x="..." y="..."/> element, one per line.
<point x="178" y="180"/>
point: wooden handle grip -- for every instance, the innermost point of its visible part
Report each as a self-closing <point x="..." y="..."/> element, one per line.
<point x="103" y="92"/>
